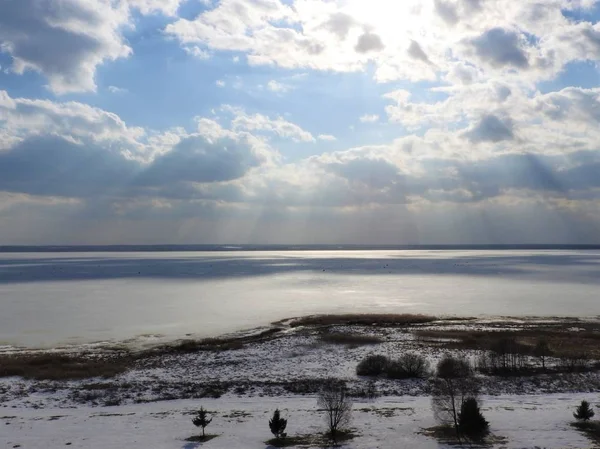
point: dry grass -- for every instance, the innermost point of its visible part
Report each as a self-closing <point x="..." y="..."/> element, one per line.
<point x="562" y="342"/>
<point x="356" y="319"/>
<point x="350" y="339"/>
<point x="217" y="344"/>
<point x="55" y="366"/>
<point x="61" y="366"/>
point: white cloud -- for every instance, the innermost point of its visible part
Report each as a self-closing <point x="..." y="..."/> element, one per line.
<point x="66" y="43"/>
<point x="75" y="150"/>
<point x="166" y="7"/>
<point x="327" y="137"/>
<point x="369" y="118"/>
<point x="22" y="117"/>
<point x="279" y="126"/>
<point x="117" y="90"/>
<point x="220" y="83"/>
<point x="197" y="52"/>
<point x="276" y="86"/>
<point x="440" y="36"/>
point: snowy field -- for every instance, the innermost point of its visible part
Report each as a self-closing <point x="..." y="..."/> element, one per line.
<point x="49" y="299"/>
<point x="386" y="423"/>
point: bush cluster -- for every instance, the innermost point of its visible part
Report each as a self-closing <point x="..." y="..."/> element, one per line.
<point x="407" y="366"/>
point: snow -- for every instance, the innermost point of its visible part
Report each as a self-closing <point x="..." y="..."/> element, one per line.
<point x="386" y="423"/>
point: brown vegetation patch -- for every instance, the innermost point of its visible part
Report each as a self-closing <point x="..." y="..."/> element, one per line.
<point x="218" y="344"/>
<point x="357" y="319"/>
<point x="57" y="366"/>
<point x="350" y="339"/>
<point x="562" y="340"/>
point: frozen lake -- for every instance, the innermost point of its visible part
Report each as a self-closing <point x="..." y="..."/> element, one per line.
<point x="54" y="298"/>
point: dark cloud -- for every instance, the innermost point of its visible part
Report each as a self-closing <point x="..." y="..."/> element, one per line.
<point x="63" y="40"/>
<point x="491" y="177"/>
<point x="447" y="11"/>
<point x="196" y="159"/>
<point x="592" y="36"/>
<point x="488" y="178"/>
<point x="500" y="48"/>
<point x="491" y="129"/>
<point x="313" y="47"/>
<point x="472" y="6"/>
<point x="339" y="24"/>
<point x="503" y="92"/>
<point x="375" y="173"/>
<point x="415" y="51"/>
<point x="54" y="166"/>
<point x="368" y="42"/>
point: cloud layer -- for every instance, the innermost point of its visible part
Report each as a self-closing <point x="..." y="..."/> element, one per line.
<point x="479" y="124"/>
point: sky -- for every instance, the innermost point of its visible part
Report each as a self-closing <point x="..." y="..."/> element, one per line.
<point x="299" y="121"/>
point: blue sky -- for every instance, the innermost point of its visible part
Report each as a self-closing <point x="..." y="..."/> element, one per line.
<point x="300" y="121"/>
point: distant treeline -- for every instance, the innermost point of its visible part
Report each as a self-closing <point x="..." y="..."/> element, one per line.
<point x="233" y="247"/>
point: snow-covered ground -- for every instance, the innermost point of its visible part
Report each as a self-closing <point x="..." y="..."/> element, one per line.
<point x="153" y="401"/>
<point x="386" y="423"/>
<point x="293" y="361"/>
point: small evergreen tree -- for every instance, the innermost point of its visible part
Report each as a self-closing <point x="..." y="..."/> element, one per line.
<point x="471" y="422"/>
<point x="201" y="419"/>
<point x="277" y="425"/>
<point x="584" y="412"/>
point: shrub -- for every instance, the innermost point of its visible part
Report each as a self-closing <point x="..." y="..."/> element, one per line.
<point x="336" y="403"/>
<point x="367" y="391"/>
<point x="372" y="365"/>
<point x="584" y="412"/>
<point x="471" y="422"/>
<point x="574" y="362"/>
<point x="408" y="366"/>
<point x="453" y="368"/>
<point x="277" y="425"/>
<point x="371" y="391"/>
<point x="453" y="385"/>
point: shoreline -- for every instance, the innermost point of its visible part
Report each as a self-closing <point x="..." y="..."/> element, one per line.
<point x="151" y="341"/>
<point x="294" y="357"/>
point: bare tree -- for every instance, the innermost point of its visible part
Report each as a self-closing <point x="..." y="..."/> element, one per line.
<point x="542" y="351"/>
<point x="333" y="398"/>
<point x="453" y="385"/>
